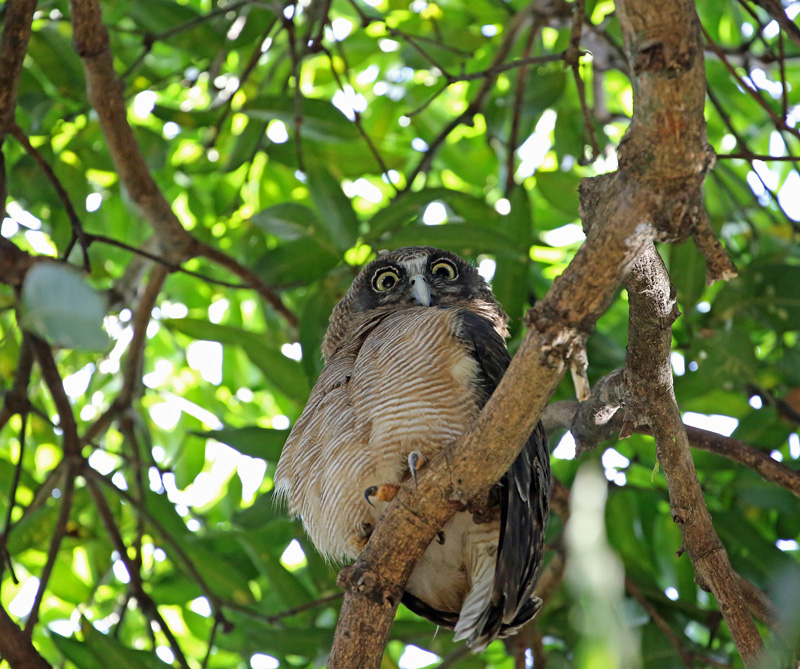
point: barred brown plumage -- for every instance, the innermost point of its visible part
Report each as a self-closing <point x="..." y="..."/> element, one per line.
<point x="413" y="351"/>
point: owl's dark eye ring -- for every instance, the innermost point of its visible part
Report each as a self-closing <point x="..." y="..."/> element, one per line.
<point x="445" y="269"/>
<point x="384" y="279"/>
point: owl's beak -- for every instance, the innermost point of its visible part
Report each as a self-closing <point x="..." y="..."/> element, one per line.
<point x="420" y="290"/>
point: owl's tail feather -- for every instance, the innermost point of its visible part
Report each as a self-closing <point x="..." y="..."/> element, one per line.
<point x="477" y="602"/>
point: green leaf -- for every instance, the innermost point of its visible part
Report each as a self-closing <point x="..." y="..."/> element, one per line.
<point x="287" y="586"/>
<point x="300" y="261"/>
<point x="560" y="189"/>
<point x="334" y="208"/>
<point x="288" y="221"/>
<point x="257" y="442"/>
<point x="320" y="119"/>
<point x="461" y="238"/>
<point x="58" y="305"/>
<point x="101" y="650"/>
<point x="285" y="374"/>
<point x="687" y="270"/>
<point x="767" y="294"/>
<point x="189" y="464"/>
<point x="409" y="206"/>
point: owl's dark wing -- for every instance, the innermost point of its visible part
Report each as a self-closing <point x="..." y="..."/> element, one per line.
<point x="524" y="493"/>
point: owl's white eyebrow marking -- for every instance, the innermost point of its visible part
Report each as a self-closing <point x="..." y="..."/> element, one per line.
<point x="416" y="264"/>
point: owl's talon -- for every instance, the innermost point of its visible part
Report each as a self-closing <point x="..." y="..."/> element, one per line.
<point x="440" y="538"/>
<point x="370" y="492"/>
<point x="383" y="493"/>
<point x="415" y="461"/>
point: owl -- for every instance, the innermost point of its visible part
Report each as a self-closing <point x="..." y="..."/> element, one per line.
<point x="413" y="351"/>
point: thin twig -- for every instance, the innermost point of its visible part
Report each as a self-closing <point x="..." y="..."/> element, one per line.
<point x="78" y="235"/>
<point x="60" y="531"/>
<point x="250" y="277"/>
<point x="146" y="603"/>
<point x="149" y="39"/>
<point x="173" y="267"/>
<point x="488" y="76"/>
<point x="288" y="24"/>
<point x="5" y="557"/>
<point x="255" y="56"/>
<point x="776" y="11"/>
<point x="211" y="638"/>
<point x="748" y="156"/>
<point x="686" y="655"/>
<point x="516" y="113"/>
<point x="288" y="613"/>
<point x="166" y="536"/>
<point x="131" y="375"/>
<point x="754" y="93"/>
<point x="357" y="115"/>
<point x="572" y="58"/>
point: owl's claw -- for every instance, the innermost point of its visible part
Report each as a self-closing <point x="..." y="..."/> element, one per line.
<point x="415" y="461"/>
<point x="382" y="493"/>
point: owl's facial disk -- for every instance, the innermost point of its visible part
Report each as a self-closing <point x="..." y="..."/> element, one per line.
<point x="409" y="277"/>
<point x="419" y="281"/>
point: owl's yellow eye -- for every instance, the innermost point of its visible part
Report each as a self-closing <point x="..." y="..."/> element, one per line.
<point x="385" y="279"/>
<point x="445" y="269"/>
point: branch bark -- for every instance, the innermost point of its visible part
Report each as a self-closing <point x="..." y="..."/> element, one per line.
<point x="15" y="646"/>
<point x="648" y="380"/>
<point x="655" y="194"/>
<point x="592" y="422"/>
<point x="13" y="47"/>
<point x="105" y="92"/>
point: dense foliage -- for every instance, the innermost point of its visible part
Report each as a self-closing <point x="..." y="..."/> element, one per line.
<point x="298" y="140"/>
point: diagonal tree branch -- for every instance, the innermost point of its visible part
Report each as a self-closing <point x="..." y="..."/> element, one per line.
<point x="105" y="92"/>
<point x="16" y="648"/>
<point x="78" y="234"/>
<point x="655" y="194"/>
<point x="776" y="11"/>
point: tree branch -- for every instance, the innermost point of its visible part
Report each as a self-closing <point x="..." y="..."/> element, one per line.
<point x="104" y="90"/>
<point x="777" y="12"/>
<point x="78" y="235"/>
<point x="16" y="648"/>
<point x="249" y="276"/>
<point x="648" y="377"/>
<point x="13" y="47"/>
<point x="656" y="193"/>
<point x="598" y="419"/>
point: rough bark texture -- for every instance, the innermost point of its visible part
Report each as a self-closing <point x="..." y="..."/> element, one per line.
<point x="655" y="194"/>
<point x="648" y="378"/>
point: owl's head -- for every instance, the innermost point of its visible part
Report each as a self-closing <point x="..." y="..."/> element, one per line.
<point x="414" y="276"/>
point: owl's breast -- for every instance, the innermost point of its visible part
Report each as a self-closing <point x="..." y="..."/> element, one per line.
<point x="411" y="386"/>
<point x="415" y="382"/>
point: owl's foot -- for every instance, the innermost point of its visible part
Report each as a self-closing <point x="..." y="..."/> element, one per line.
<point x="415" y="461"/>
<point x="382" y="493"/>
